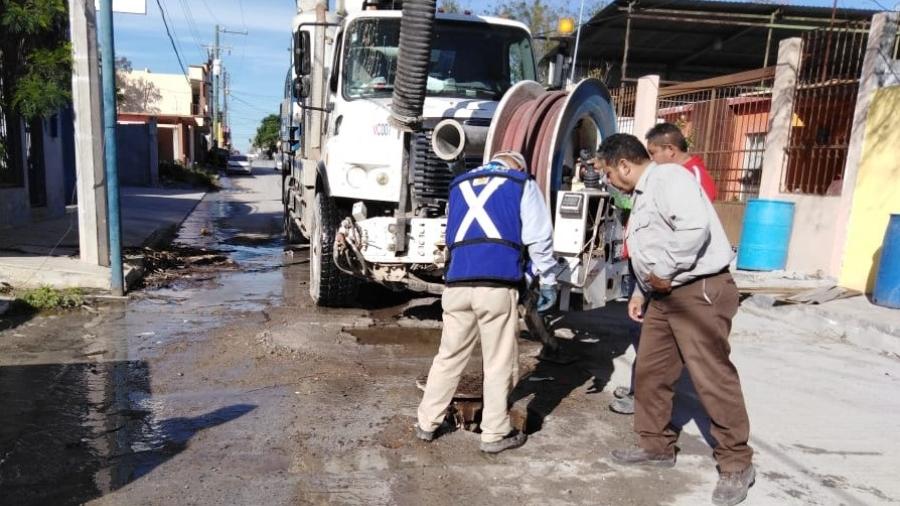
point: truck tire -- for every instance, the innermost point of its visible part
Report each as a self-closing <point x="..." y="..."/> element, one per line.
<point x="328" y="285"/>
<point x="292" y="233"/>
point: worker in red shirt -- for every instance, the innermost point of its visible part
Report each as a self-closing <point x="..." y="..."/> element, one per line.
<point x="667" y="144"/>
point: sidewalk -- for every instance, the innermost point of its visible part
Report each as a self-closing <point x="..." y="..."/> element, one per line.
<point x="46" y="253"/>
<point x="854" y="320"/>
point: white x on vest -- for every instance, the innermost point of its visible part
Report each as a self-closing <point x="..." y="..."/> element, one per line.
<point x="476" y="210"/>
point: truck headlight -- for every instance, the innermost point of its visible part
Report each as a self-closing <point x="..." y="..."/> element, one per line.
<point x="382" y="178"/>
<point x="356" y="176"/>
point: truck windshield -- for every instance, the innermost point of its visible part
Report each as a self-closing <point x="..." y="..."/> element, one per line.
<point x="471" y="60"/>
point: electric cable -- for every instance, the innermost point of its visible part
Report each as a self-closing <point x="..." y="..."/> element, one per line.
<point x="172" y="40"/>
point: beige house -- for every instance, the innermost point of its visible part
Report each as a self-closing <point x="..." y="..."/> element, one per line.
<point x="177" y="103"/>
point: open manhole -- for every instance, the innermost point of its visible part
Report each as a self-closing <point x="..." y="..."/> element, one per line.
<point x="465" y="408"/>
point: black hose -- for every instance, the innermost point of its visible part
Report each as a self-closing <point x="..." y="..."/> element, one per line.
<point x="416" y="27"/>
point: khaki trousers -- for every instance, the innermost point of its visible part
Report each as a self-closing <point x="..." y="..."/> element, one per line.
<point x="689" y="328"/>
<point x="470" y="313"/>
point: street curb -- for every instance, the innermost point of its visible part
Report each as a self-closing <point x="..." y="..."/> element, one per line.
<point x="159" y="238"/>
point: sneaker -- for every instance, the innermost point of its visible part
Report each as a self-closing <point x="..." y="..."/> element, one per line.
<point x="623" y="406"/>
<point x="512" y="440"/>
<point x="620" y="392"/>
<point x="732" y="487"/>
<point x="444" y="428"/>
<point x="639" y="456"/>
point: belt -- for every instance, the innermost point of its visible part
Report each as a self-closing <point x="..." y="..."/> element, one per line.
<point x="657" y="295"/>
<point x="726" y="270"/>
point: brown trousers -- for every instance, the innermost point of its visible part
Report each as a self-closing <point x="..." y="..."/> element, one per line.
<point x="689" y="328"/>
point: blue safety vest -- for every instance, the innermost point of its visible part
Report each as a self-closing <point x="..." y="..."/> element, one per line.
<point x="484" y="227"/>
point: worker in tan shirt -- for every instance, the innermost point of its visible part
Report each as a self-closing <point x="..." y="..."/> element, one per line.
<point x="680" y="257"/>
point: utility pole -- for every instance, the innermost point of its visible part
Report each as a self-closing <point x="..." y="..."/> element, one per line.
<point x="108" y="75"/>
<point x="93" y="232"/>
<point x="217" y="69"/>
<point x="224" y="102"/>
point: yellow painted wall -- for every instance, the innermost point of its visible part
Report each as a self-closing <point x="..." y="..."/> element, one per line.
<point x="877" y="192"/>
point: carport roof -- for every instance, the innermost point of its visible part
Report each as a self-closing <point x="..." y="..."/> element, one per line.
<point x="694" y="39"/>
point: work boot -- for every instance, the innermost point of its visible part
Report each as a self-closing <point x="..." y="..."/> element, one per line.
<point x="639" y="456"/>
<point x="732" y="487"/>
<point x="512" y="440"/>
<point x="620" y="392"/>
<point x="623" y="405"/>
<point x="444" y="428"/>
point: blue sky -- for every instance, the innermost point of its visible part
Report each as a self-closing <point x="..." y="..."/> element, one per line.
<point x="258" y="61"/>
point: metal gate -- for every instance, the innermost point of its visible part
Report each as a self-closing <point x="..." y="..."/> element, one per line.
<point x="623" y="99"/>
<point x="824" y="104"/>
<point x="725" y="120"/>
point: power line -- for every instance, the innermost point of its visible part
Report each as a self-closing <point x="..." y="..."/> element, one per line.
<point x="261" y="95"/>
<point x="174" y="27"/>
<point x="192" y="24"/>
<point x="169" y="33"/>
<point x="211" y="13"/>
<point x="249" y="104"/>
<point x="243" y="20"/>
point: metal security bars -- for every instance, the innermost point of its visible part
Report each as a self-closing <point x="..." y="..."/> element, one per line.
<point x="824" y="104"/>
<point x="623" y="99"/>
<point x="725" y="120"/>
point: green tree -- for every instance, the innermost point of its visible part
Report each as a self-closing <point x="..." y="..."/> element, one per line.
<point x="542" y="18"/>
<point x="267" y="134"/>
<point x="35" y="66"/>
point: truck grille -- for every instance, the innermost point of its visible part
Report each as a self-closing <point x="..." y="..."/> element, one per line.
<point x="431" y="176"/>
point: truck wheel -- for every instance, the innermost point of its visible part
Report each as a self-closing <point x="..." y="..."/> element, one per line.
<point x="292" y="233"/>
<point x="328" y="285"/>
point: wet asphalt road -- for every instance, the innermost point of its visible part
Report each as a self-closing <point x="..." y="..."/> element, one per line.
<point x="228" y="386"/>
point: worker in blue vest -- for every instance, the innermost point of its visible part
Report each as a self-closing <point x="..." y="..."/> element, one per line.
<point x="497" y="221"/>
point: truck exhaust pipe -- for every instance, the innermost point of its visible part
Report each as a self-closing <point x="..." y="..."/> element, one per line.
<point x="450" y="140"/>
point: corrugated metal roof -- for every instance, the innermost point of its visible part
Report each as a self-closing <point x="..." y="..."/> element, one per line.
<point x="791" y="9"/>
<point x="685" y="40"/>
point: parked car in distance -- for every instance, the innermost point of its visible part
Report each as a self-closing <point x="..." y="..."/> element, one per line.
<point x="239" y="164"/>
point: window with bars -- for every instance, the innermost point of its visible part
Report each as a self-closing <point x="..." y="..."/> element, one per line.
<point x="824" y="104"/>
<point x="754" y="147"/>
<point x="725" y="121"/>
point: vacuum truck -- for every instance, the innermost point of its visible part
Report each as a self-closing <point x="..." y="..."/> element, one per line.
<point x="386" y="102"/>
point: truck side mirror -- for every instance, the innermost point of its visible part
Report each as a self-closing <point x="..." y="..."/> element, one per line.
<point x="301" y="87"/>
<point x="301" y="53"/>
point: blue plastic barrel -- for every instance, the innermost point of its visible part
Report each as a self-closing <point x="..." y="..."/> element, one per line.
<point x="887" y="282"/>
<point x="766" y="235"/>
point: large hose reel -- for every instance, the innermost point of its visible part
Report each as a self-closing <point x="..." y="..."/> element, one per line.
<point x="550" y="128"/>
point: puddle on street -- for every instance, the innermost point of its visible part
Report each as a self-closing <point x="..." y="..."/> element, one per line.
<point x="414" y="341"/>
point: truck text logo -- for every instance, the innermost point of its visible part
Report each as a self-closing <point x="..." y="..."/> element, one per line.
<point x="381" y="129"/>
